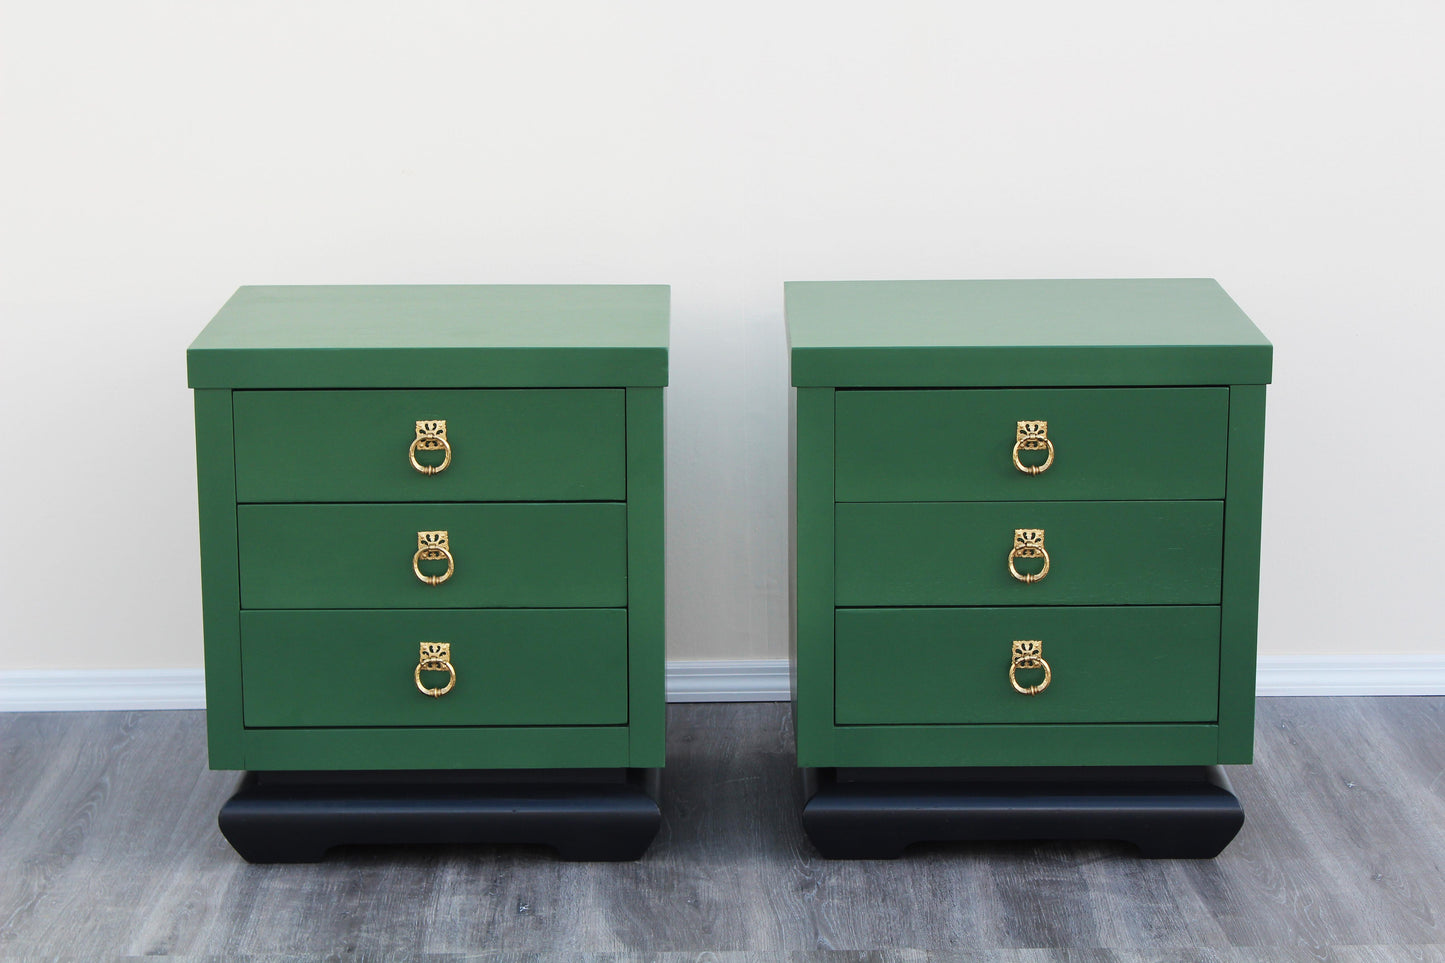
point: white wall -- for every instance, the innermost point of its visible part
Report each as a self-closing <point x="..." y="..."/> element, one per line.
<point x="155" y="155"/>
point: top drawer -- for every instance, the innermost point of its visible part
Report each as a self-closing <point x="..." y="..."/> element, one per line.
<point x="958" y="445"/>
<point x="506" y="445"/>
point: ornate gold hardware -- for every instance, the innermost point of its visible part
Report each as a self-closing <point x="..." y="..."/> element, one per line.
<point x="1033" y="436"/>
<point x="430" y="436"/>
<point x="1029" y="655"/>
<point x="433" y="547"/>
<point x="1028" y="543"/>
<point x="437" y="657"/>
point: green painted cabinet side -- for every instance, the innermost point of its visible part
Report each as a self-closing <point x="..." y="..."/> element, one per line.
<point x="220" y="579"/>
<point x="507" y="445"/>
<point x="1240" y="592"/>
<point x="515" y="667"/>
<point x="1101" y="553"/>
<point x="515" y="747"/>
<point x="1065" y="744"/>
<point x="645" y="578"/>
<point x="951" y="665"/>
<point x="813" y="576"/>
<point x="1109" y="443"/>
<point x="509" y="555"/>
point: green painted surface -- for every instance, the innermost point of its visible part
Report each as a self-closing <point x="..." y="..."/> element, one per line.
<point x="1239" y="633"/>
<point x="1110" y="744"/>
<point x="1101" y="553"/>
<point x="1021" y="333"/>
<point x="507" y="445"/>
<point x="518" y="555"/>
<point x="645" y="578"/>
<point x="1121" y="443"/>
<point x="515" y="667"/>
<point x="220" y="585"/>
<point x="442" y="336"/>
<point x="516" y="747"/>
<point x="553" y="501"/>
<point x="812" y="636"/>
<point x="950" y="665"/>
<point x="1151" y="514"/>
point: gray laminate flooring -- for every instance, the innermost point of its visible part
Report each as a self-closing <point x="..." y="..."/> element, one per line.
<point x="109" y="848"/>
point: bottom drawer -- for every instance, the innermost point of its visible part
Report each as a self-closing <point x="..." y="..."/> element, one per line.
<point x="514" y="667"/>
<point x="951" y="665"/>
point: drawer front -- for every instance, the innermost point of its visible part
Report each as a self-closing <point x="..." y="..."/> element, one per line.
<point x="523" y="555"/>
<point x="1107" y="664"/>
<point x="1109" y="443"/>
<point x="1100" y="553"/>
<point x="355" y="446"/>
<point x="358" y="668"/>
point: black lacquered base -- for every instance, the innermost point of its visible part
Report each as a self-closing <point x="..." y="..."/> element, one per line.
<point x="1185" y="812"/>
<point x="295" y="817"/>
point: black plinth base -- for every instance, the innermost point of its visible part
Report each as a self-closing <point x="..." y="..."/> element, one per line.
<point x="1187" y="812"/>
<point x="296" y="817"/>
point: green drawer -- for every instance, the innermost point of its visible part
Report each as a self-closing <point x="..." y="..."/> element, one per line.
<point x="951" y="666"/>
<point x="358" y="668"/>
<point x="1109" y="443"/>
<point x="507" y="445"/>
<point x="519" y="555"/>
<point x="1100" y="553"/>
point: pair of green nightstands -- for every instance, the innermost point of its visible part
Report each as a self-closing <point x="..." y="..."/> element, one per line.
<point x="1026" y="562"/>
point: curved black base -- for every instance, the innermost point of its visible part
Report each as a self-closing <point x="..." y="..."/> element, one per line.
<point x="582" y="814"/>
<point x="1184" y="812"/>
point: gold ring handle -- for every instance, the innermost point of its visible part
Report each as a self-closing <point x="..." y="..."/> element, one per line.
<point x="446" y="458"/>
<point x="435" y="657"/>
<point x="1029" y="654"/>
<point x="430" y="436"/>
<point x="1028" y="543"/>
<point x="437" y="667"/>
<point x="433" y="547"/>
<point x="1028" y="469"/>
<point x="1030" y="689"/>
<point x="433" y="579"/>
<point x="1033" y="436"/>
<point x="1028" y="578"/>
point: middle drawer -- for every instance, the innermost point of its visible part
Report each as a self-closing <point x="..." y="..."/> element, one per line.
<point x="1099" y="553"/>
<point x="512" y="555"/>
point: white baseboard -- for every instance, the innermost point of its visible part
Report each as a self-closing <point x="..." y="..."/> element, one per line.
<point x="737" y="680"/>
<point x="1291" y="675"/>
<point x="751" y="680"/>
<point x="59" y="690"/>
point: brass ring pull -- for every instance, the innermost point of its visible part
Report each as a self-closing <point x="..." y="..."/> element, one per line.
<point x="1033" y="436"/>
<point x="435" y="657"/>
<point x="433" y="547"/>
<point x="1029" y="655"/>
<point x="430" y="436"/>
<point x="1028" y="543"/>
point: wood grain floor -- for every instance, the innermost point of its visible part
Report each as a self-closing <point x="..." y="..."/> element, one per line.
<point x="109" y="849"/>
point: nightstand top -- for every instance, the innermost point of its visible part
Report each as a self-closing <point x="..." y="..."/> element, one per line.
<point x="1166" y="331"/>
<point x="378" y="336"/>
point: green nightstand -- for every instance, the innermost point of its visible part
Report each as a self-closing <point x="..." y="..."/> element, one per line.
<point x="1026" y="559"/>
<point x="431" y="558"/>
